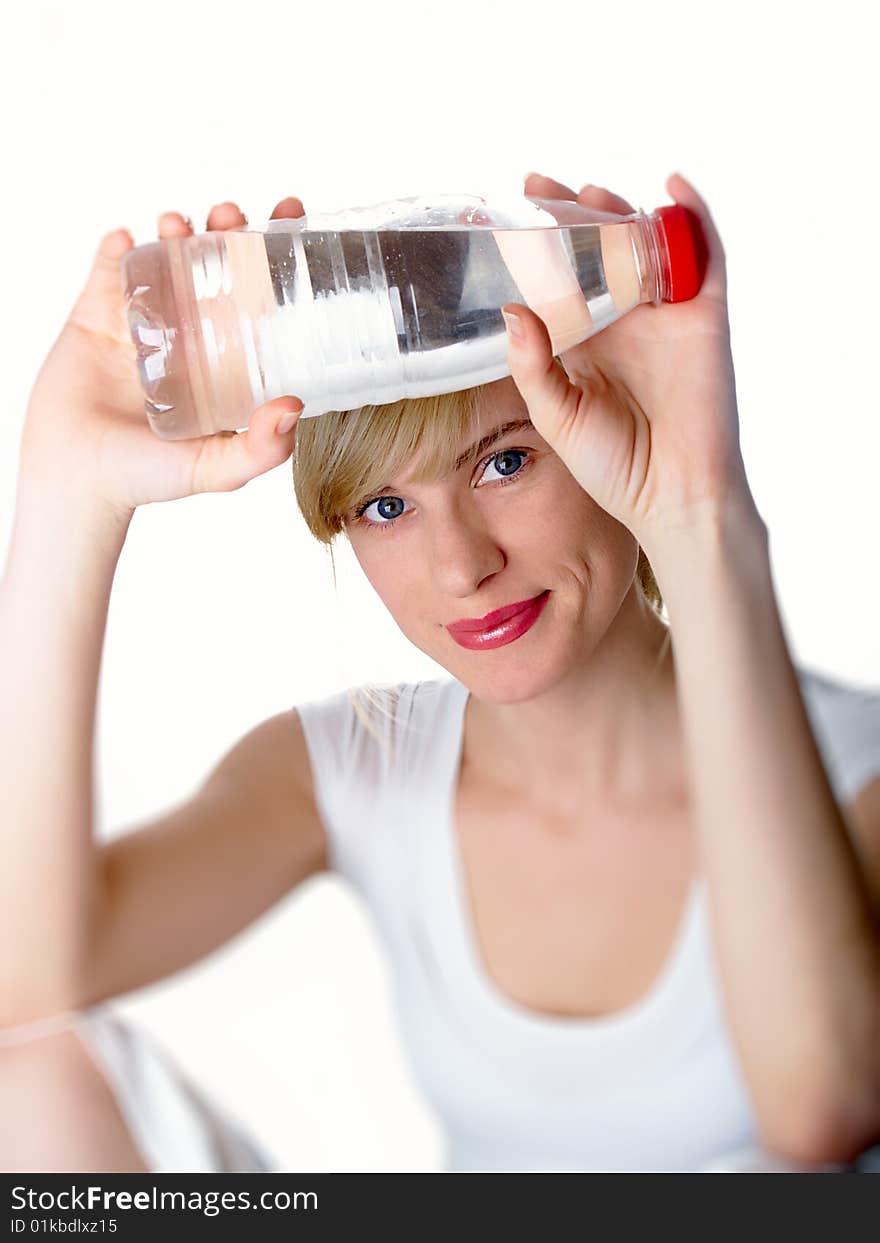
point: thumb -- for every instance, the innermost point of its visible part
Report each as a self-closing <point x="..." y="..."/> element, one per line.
<point x="581" y="427"/>
<point x="551" y="398"/>
<point x="228" y="461"/>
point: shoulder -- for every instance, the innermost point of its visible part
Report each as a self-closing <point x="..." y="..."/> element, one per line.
<point x="368" y="703"/>
<point x="362" y="731"/>
<point x="370" y="708"/>
<point x="359" y="743"/>
<point x="846" y="723"/>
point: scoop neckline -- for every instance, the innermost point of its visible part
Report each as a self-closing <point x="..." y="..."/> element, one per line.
<point x="661" y="993"/>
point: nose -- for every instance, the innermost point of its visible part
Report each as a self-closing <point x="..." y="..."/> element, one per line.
<point x="462" y="550"/>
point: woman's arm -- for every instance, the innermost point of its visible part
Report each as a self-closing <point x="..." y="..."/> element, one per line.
<point x="54" y="598"/>
<point x="81" y="922"/>
<point x="87" y="460"/>
<point x="796" y="939"/>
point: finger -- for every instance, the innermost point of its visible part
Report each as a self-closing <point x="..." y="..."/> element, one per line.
<point x="288" y="209"/>
<point x="545" y="388"/>
<point x="715" y="280"/>
<point x="540" y="187"/>
<point x="228" y="462"/>
<point x="226" y="216"/>
<point x="173" y="224"/>
<point x="603" y="200"/>
<point x="97" y="306"/>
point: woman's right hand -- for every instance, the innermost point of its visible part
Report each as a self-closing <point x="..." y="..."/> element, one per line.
<point x="86" y="433"/>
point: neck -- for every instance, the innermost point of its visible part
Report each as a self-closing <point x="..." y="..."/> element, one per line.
<point x="607" y="732"/>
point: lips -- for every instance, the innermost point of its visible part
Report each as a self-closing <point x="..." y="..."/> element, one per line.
<point x="499" y="633"/>
<point x="472" y="625"/>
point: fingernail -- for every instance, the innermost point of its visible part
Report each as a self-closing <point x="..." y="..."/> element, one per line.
<point x="514" y="325"/>
<point x="286" y="422"/>
<point x="115" y="236"/>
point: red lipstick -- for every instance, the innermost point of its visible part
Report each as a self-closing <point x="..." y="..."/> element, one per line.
<point x="500" y="626"/>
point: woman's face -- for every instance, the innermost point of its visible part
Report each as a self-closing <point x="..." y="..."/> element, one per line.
<point x="509" y="524"/>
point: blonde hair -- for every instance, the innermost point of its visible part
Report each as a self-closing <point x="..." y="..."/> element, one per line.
<point x="344" y="456"/>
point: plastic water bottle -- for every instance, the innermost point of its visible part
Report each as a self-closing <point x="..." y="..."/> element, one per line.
<point x="371" y="304"/>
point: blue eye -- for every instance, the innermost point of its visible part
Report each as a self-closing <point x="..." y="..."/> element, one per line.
<point x="507" y="453"/>
<point x="395" y="503"/>
<point x="388" y="519"/>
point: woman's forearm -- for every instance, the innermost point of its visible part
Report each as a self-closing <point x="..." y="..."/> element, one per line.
<point x="792" y="922"/>
<point x="54" y="599"/>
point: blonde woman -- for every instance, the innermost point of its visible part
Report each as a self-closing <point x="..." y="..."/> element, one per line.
<point x="625" y="859"/>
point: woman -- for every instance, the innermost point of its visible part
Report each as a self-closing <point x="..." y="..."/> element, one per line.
<point x="630" y="920"/>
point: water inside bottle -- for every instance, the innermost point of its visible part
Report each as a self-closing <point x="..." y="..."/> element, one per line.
<point x="343" y="317"/>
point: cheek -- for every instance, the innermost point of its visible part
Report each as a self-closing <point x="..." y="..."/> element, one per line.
<point x="551" y="511"/>
<point x="386" y="575"/>
<point x="592" y="542"/>
<point x="566" y="519"/>
<point x="612" y="557"/>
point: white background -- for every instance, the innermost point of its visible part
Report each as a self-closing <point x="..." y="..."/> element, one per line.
<point x="219" y="616"/>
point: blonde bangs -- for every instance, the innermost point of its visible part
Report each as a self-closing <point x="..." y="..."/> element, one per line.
<point x="343" y="457"/>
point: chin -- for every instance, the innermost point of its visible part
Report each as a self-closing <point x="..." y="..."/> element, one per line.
<point x="508" y="682"/>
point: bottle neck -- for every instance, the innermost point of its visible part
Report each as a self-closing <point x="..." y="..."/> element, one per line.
<point x="652" y="256"/>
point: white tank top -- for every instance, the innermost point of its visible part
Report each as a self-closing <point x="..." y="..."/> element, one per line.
<point x="653" y="1087"/>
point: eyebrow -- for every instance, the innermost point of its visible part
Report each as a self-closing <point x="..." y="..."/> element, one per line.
<point x="481" y="445"/>
<point x="488" y="440"/>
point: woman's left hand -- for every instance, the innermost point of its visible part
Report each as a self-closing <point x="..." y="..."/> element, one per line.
<point x="644" y="414"/>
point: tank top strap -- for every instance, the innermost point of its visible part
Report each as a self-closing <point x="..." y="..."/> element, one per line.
<point x="430" y="734"/>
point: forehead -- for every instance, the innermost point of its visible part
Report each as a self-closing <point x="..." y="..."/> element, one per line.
<point x="499" y="403"/>
<point x="494" y="419"/>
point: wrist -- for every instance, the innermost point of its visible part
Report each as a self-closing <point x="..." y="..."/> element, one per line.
<point x="57" y="482"/>
<point x="728" y="518"/>
<point x="41" y="500"/>
<point x="724" y="539"/>
<point x="72" y="530"/>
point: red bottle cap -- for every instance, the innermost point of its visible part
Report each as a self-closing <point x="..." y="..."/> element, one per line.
<point x="685" y="255"/>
